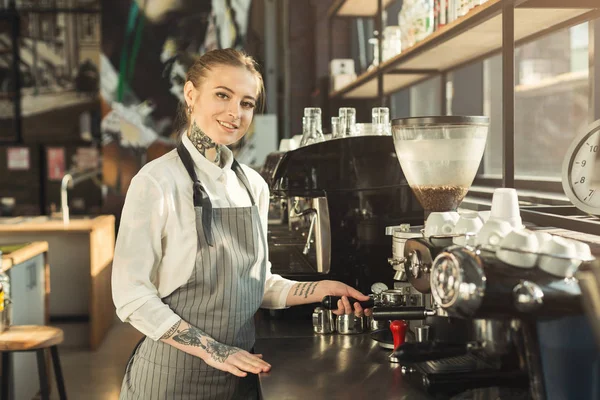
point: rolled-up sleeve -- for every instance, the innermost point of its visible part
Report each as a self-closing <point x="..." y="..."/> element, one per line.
<point x="276" y="287"/>
<point x="138" y="253"/>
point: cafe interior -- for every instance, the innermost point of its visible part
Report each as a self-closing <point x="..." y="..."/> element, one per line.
<point x="442" y="157"/>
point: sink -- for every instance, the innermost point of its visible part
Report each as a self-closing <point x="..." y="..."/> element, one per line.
<point x="11" y="220"/>
<point x="41" y="219"/>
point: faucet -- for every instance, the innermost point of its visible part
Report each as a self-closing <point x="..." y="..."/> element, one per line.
<point x="68" y="182"/>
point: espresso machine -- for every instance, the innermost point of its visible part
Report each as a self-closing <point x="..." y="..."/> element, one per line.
<point x="331" y="202"/>
<point x="489" y="305"/>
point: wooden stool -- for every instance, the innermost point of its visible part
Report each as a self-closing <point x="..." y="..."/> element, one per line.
<point x="32" y="338"/>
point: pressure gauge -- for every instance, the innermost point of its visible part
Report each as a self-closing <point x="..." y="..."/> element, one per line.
<point x="578" y="180"/>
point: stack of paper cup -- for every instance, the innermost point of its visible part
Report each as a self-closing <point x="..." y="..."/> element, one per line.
<point x="558" y="266"/>
<point x="469" y="225"/>
<point x="505" y="207"/>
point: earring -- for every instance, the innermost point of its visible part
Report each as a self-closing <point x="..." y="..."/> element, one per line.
<point x="189" y="110"/>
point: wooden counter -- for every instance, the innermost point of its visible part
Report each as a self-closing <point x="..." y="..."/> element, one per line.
<point x="40" y="224"/>
<point x="9" y="259"/>
<point x="80" y="256"/>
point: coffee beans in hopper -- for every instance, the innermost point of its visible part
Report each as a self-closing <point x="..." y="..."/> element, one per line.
<point x="440" y="198"/>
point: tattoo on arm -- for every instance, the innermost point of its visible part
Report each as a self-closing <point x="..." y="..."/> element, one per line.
<point x="313" y="288"/>
<point x="192" y="337"/>
<point x="299" y="288"/>
<point x="304" y="289"/>
<point x="171" y="331"/>
<point x="219" y="351"/>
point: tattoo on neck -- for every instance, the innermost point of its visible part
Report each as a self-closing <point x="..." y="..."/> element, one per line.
<point x="203" y="142"/>
<point x="171" y="331"/>
<point x="192" y="337"/>
<point x="305" y="289"/>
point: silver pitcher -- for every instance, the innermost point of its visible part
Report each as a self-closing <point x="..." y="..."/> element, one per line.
<point x="349" y="324"/>
<point x="323" y="321"/>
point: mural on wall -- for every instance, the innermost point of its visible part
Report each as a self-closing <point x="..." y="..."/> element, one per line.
<point x="59" y="55"/>
<point x="147" y="46"/>
<point x="49" y="109"/>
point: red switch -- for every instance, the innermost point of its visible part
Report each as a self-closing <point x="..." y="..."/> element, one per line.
<point x="398" y="329"/>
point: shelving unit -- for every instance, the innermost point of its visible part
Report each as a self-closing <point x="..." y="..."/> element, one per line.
<point x="472" y="37"/>
<point x="495" y="27"/>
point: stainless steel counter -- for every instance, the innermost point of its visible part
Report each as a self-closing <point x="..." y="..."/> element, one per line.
<point x="310" y="366"/>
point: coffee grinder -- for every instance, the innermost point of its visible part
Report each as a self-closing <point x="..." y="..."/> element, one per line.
<point x="439" y="157"/>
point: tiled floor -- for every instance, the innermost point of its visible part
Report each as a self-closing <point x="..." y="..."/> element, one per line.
<point x="98" y="375"/>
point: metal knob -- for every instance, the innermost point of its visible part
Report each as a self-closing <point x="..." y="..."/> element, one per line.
<point x="396" y="261"/>
<point x="527" y="296"/>
<point x="400" y="276"/>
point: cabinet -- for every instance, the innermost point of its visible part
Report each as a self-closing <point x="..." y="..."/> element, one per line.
<point x="27" y="291"/>
<point x="80" y="259"/>
<point x="29" y="288"/>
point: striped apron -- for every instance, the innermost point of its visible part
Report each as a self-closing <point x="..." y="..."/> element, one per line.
<point x="220" y="298"/>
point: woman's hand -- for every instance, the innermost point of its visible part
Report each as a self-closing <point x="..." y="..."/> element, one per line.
<point x="335" y="288"/>
<point x="233" y="359"/>
<point x="192" y="340"/>
<point x="313" y="292"/>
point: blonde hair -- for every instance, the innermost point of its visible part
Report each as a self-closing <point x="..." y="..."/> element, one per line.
<point x="206" y="62"/>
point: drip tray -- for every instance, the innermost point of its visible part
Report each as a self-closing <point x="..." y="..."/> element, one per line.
<point x="464" y="363"/>
<point x="289" y="260"/>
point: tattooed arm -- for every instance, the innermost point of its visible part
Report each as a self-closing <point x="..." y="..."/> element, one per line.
<point x="227" y="358"/>
<point x="313" y="292"/>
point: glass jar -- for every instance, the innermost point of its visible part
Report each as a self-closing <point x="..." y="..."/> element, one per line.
<point x="347" y="122"/>
<point x="380" y="121"/>
<point x="335" y="127"/>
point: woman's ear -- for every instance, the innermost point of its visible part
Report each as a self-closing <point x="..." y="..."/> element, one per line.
<point x="189" y="93"/>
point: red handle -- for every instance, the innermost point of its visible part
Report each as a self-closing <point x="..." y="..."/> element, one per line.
<point x="398" y="329"/>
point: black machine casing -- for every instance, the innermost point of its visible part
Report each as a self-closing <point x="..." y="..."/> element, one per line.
<point x="365" y="190"/>
<point x="545" y="339"/>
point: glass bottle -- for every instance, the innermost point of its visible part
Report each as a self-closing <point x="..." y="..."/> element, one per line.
<point x="347" y="122"/>
<point x="335" y="127"/>
<point x="380" y="121"/>
<point x="312" y="131"/>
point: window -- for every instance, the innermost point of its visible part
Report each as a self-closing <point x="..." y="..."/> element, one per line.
<point x="551" y="103"/>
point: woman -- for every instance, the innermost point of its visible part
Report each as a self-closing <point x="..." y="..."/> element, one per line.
<point x="190" y="266"/>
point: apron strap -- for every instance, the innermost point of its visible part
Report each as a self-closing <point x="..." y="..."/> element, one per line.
<point x="241" y="175"/>
<point x="201" y="198"/>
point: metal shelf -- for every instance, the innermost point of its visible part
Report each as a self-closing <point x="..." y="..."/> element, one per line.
<point x="474" y="36"/>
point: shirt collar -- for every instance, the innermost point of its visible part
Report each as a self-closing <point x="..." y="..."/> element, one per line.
<point x="205" y="167"/>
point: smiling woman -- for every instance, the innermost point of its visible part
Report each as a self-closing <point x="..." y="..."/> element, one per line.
<point x="191" y="262"/>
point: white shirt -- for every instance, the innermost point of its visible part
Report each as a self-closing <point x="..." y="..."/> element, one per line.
<point x="156" y="246"/>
